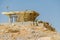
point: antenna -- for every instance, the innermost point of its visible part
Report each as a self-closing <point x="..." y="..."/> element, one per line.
<point x="7" y="7"/>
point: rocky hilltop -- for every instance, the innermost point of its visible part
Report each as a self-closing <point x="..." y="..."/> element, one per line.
<point x="27" y="29"/>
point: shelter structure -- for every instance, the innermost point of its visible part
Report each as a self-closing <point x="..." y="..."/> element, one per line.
<point x="21" y="16"/>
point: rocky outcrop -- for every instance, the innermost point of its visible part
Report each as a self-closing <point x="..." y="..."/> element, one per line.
<point x="27" y="32"/>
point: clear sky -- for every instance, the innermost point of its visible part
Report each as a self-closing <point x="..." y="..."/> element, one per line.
<point x="49" y="9"/>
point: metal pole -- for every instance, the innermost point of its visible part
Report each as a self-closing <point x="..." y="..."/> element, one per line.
<point x="10" y="19"/>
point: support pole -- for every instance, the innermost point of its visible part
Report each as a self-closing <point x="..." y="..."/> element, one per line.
<point x="14" y="18"/>
<point x="10" y="19"/>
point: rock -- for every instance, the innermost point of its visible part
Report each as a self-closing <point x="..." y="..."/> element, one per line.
<point x="29" y="32"/>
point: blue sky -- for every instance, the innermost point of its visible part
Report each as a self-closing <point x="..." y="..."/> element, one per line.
<point x="49" y="9"/>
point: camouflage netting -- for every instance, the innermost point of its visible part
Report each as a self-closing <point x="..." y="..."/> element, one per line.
<point x="27" y="16"/>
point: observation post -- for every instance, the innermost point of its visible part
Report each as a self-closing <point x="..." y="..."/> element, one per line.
<point x="21" y="16"/>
